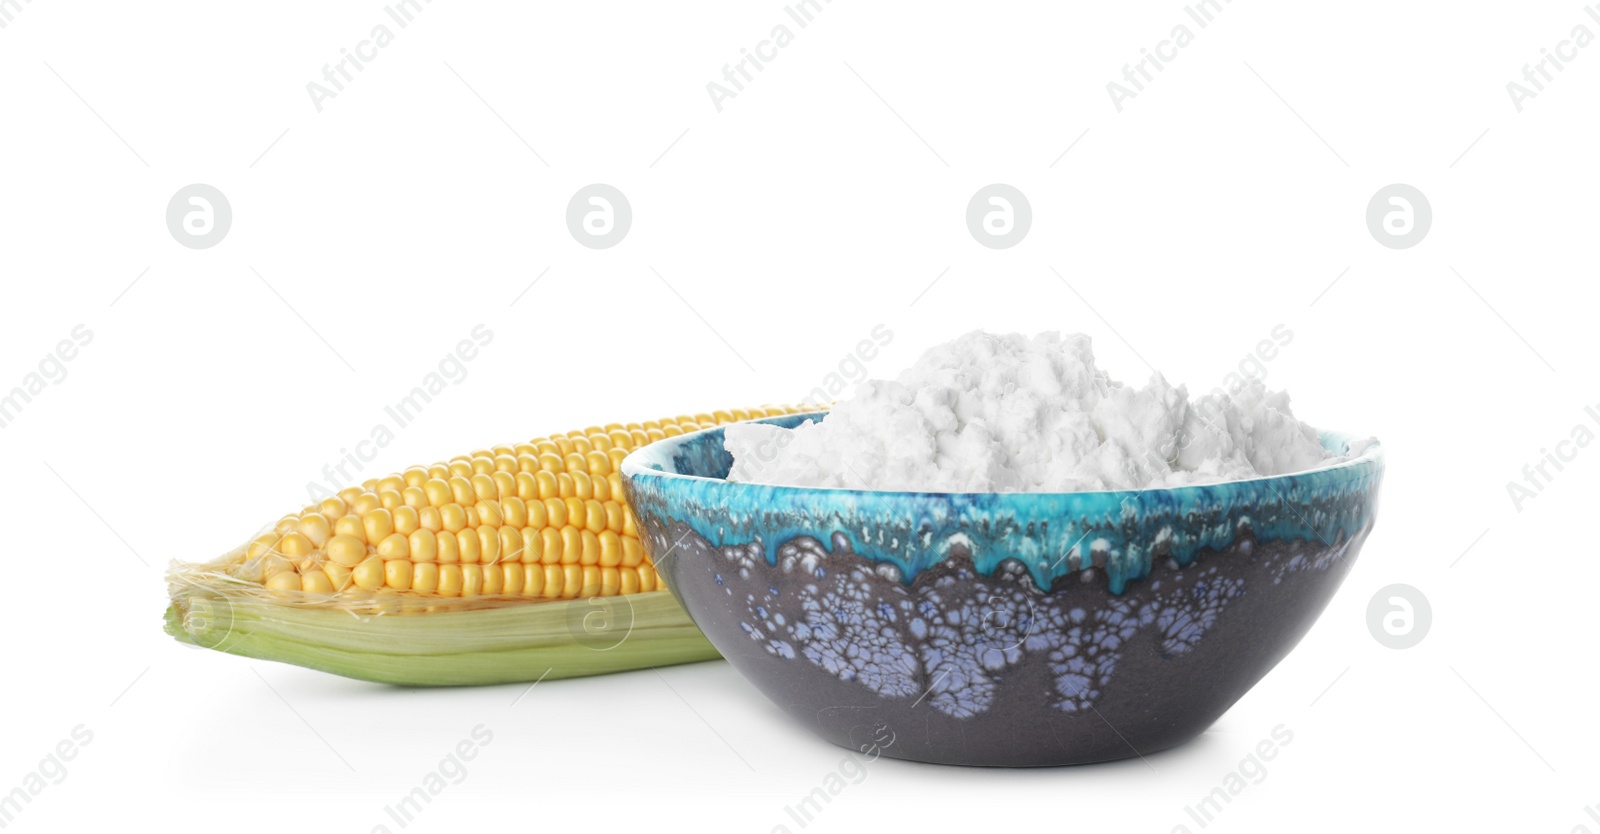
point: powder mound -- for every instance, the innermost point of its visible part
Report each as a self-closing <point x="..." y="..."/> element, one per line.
<point x="1009" y="413"/>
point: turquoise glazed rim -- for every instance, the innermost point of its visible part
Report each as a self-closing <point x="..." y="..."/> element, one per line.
<point x="1128" y="534"/>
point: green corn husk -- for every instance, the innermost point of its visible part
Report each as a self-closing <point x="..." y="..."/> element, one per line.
<point x="417" y="641"/>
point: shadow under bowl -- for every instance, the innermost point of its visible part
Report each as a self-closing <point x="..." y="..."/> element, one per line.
<point x="1002" y="629"/>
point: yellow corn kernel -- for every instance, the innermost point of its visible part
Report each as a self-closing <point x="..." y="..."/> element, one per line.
<point x="632" y="552"/>
<point x="368" y="574"/>
<point x="315" y="581"/>
<point x="532" y="580"/>
<point x="262" y="545"/>
<point x="590" y="548"/>
<point x="489" y="513"/>
<point x="538" y="516"/>
<point x="471" y="580"/>
<point x="554" y="575"/>
<point x="438" y="491"/>
<point x="423" y="546"/>
<point x="390" y="499"/>
<point x="571" y="546"/>
<point x="316" y="528"/>
<point x="284" y="581"/>
<point x="397" y="574"/>
<point x="550" y="545"/>
<point x="406" y="520"/>
<point x="428" y="518"/>
<point x="555" y="511"/>
<point x="453" y="517"/>
<point x="493" y="579"/>
<point x="484" y="487"/>
<point x="415" y="497"/>
<point x="510" y="544"/>
<point x="449" y="580"/>
<point x="348" y="551"/>
<point x="449" y="550"/>
<point x="549" y="486"/>
<point x="488" y="545"/>
<point x="594" y="516"/>
<point x="610" y="549"/>
<point x="394" y="546"/>
<point x="532" y="546"/>
<point x="575" y="511"/>
<point x="513" y="512"/>
<point x="571" y="581"/>
<point x="365" y="503"/>
<point x="338" y="575"/>
<point x="424" y="577"/>
<point x="467" y="546"/>
<point x="590" y="583"/>
<point x="377" y="524"/>
<point x="349" y="525"/>
<point x="505" y="485"/>
<point x="461" y="492"/>
<point x="614" y="516"/>
<point x="332" y="508"/>
<point x="628" y="527"/>
<point x="294" y="546"/>
<point x="511" y="579"/>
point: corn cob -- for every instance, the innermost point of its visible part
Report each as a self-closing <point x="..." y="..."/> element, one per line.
<point x="509" y="564"/>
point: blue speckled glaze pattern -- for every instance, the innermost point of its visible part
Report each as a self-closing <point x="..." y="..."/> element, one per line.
<point x="1007" y="628"/>
<point x="1052" y="535"/>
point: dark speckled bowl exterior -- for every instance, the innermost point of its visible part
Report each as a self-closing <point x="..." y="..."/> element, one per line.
<point x="1005" y="629"/>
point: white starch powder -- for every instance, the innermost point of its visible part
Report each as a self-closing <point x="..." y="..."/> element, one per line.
<point x="1006" y="413"/>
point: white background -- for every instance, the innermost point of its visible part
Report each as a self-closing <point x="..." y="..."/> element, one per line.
<point x="821" y="201"/>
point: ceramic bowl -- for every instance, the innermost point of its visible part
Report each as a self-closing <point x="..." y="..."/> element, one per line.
<point x="1007" y="629"/>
